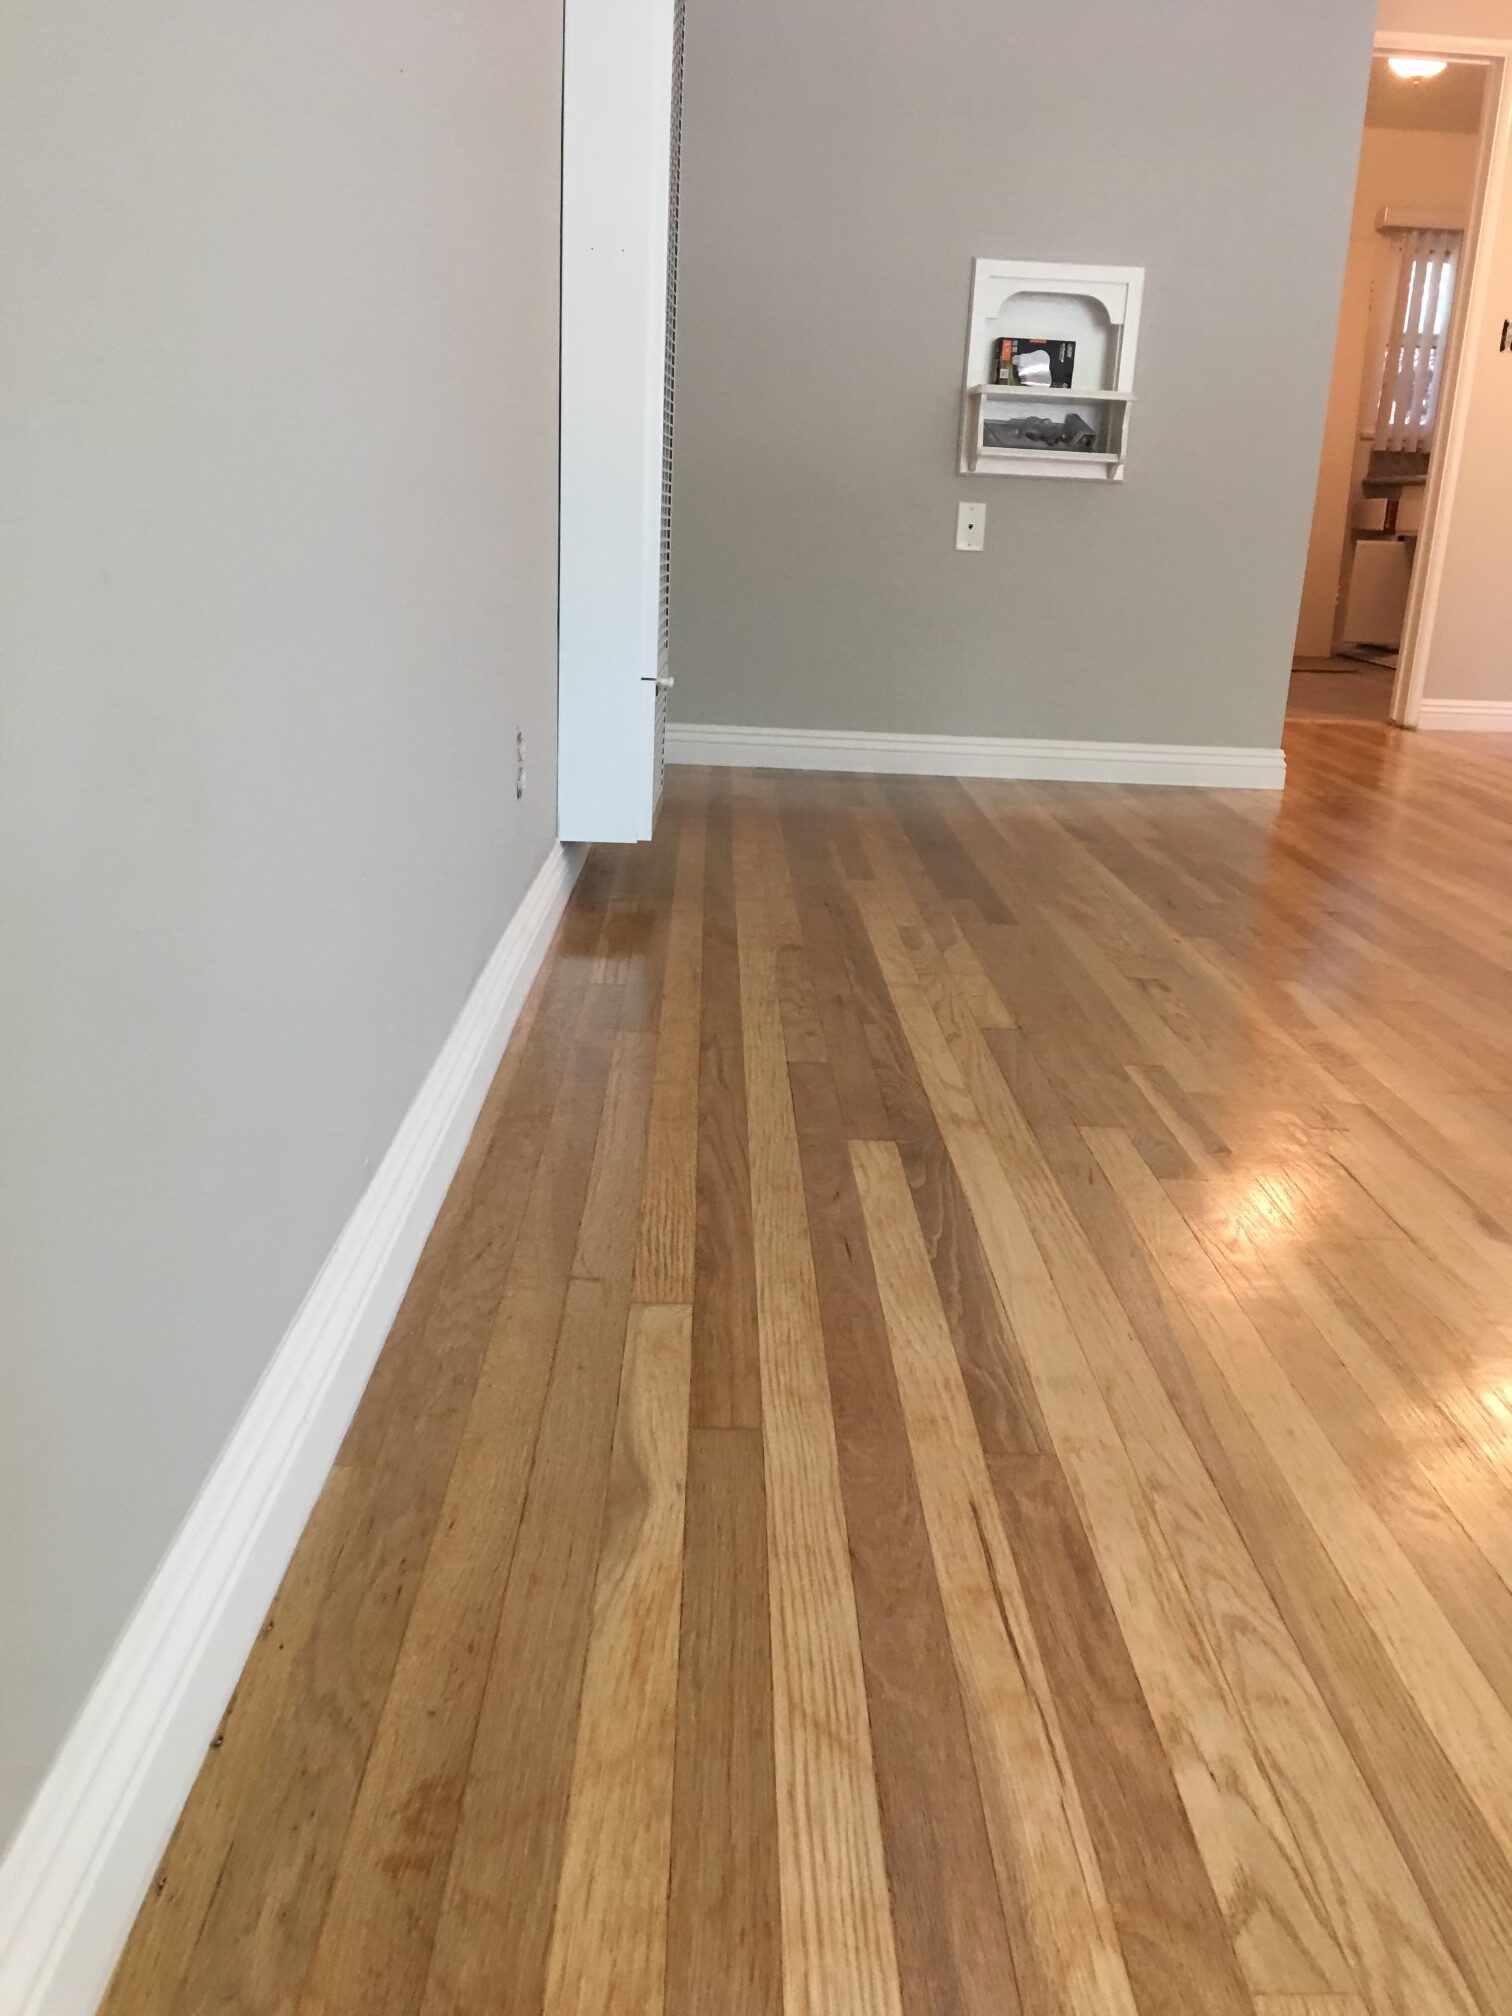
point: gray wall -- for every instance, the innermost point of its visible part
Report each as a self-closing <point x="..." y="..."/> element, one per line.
<point x="844" y="163"/>
<point x="277" y="584"/>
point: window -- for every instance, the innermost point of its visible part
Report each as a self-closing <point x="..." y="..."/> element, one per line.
<point x="1417" y="336"/>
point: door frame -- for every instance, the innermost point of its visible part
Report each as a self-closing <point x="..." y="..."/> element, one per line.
<point x="1493" y="167"/>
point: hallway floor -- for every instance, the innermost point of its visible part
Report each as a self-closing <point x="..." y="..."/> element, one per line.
<point x="951" y="1450"/>
<point x="1344" y="691"/>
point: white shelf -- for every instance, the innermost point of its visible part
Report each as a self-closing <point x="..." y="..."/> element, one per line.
<point x="1087" y="464"/>
<point x="1096" y="308"/>
<point x="1048" y="455"/>
<point x="1102" y="394"/>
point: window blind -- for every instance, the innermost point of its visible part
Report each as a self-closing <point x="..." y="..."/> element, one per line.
<point x="1417" y="335"/>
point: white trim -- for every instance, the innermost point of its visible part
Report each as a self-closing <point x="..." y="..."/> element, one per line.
<point x="977" y="756"/>
<point x="1470" y="717"/>
<point x="87" y="1849"/>
<point x="1394" y="217"/>
<point x="1472" y="316"/>
<point x="1424" y="42"/>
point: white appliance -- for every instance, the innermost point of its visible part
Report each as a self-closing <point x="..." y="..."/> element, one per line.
<point x="1375" y="595"/>
<point x="621" y="130"/>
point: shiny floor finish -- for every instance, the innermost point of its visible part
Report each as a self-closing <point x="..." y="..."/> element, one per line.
<point x="951" y="1451"/>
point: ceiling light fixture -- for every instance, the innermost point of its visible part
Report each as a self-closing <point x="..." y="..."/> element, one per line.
<point x="1417" y="69"/>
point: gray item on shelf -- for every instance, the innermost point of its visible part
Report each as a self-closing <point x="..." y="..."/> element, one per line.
<point x="1039" y="430"/>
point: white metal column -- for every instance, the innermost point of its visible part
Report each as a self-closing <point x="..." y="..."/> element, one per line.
<point x="622" y="95"/>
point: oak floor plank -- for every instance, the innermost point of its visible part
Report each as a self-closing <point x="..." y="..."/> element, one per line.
<point x="820" y="902"/>
<point x="837" y="1936"/>
<point x="378" y="1929"/>
<point x="650" y="895"/>
<point x="262" y="1927"/>
<point x="1381" y="1918"/>
<point x="1388" y="1832"/>
<point x="802" y="1029"/>
<point x="668" y="1212"/>
<point x="1310" y="2005"/>
<point x="1186" y="1058"/>
<point x="988" y="1008"/>
<point x="726" y="1369"/>
<point x="904" y="1112"/>
<point x="1006" y="1412"/>
<point x="1247" y="1843"/>
<point x="1420" y="1503"/>
<point x="1003" y="1400"/>
<point x="1392" y="1295"/>
<point x="492" y="1932"/>
<point x="609" y="1940"/>
<point x="495" y="1921"/>
<point x="1172" y="1934"/>
<point x="724" y="1935"/>
<point x="169" y="1924"/>
<point x="1460" y="1705"/>
<point x="954" y="1951"/>
<point x="948" y="867"/>
<point x="263" y="1921"/>
<point x="1043" y="1848"/>
<point x="474" y="1221"/>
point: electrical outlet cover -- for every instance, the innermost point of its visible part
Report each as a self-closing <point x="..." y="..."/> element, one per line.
<point x="971" y="528"/>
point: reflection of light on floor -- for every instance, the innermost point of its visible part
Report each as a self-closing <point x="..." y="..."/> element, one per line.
<point x="1272" y="1203"/>
<point x="1497" y="1401"/>
<point x="1487" y="1427"/>
<point x="1481" y="1404"/>
<point x="1264" y="1210"/>
<point x="1281" y="1218"/>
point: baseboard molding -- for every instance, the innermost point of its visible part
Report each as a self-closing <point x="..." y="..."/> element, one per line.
<point x="977" y="756"/>
<point x="1470" y="717"/>
<point x="95" y="1833"/>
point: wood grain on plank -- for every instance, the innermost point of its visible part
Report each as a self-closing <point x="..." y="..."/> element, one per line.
<point x="496" y="1915"/>
<point x="1172" y="1934"/>
<point x="1310" y="2005"/>
<point x="837" y="1936"/>
<point x="1034" y="1812"/>
<point x="376" y="1936"/>
<point x="1457" y="1700"/>
<point x="726" y="1371"/>
<point x="820" y="904"/>
<point x="195" y="1861"/>
<point x="724" y="1933"/>
<point x="664" y="1258"/>
<point x="955" y="1952"/>
<point x="267" y="1927"/>
<point x="609" y="1940"/>
<point x="1282" y="1937"/>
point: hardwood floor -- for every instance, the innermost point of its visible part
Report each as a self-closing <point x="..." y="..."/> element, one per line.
<point x="1340" y="690"/>
<point x="950" y="1453"/>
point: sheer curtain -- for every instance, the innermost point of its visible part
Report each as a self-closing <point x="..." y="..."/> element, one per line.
<point x="1416" y="338"/>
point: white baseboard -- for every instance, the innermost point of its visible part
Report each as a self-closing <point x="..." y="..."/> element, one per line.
<point x="977" y="756"/>
<point x="1470" y="717"/>
<point x="95" y="1833"/>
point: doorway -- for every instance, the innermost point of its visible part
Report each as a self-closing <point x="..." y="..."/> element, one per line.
<point x="1418" y="195"/>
